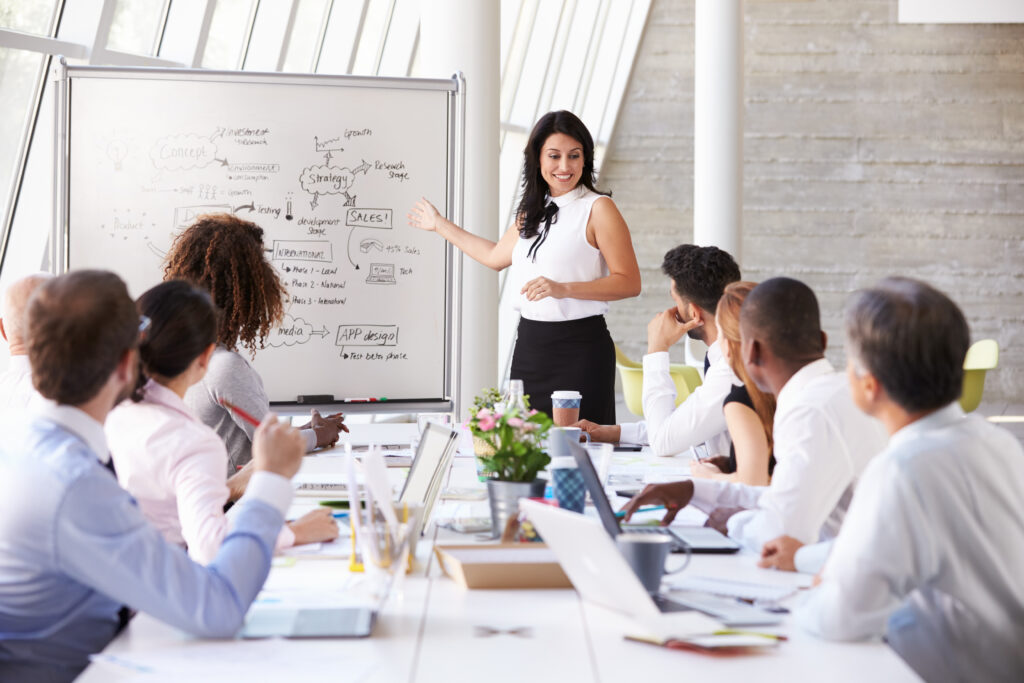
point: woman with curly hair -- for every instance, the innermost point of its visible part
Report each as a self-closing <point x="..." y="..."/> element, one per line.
<point x="224" y="255"/>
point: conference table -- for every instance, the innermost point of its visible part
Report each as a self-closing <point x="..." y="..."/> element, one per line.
<point x="432" y="629"/>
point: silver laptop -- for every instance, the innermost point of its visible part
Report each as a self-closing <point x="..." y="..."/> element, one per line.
<point x="601" y="574"/>
<point x="695" y="539"/>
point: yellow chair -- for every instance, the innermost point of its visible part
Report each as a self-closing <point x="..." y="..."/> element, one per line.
<point x="686" y="378"/>
<point x="981" y="357"/>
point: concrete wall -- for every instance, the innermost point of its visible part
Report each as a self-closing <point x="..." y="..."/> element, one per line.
<point x="871" y="148"/>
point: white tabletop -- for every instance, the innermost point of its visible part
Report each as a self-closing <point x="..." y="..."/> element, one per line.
<point x="437" y="631"/>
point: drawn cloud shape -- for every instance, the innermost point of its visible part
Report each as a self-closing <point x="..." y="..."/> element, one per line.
<point x="182" y="152"/>
<point x="325" y="179"/>
<point x="290" y="332"/>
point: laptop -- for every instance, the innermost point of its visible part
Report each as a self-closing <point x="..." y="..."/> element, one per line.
<point x="602" y="575"/>
<point x="422" y="486"/>
<point x="429" y="466"/>
<point x="696" y="539"/>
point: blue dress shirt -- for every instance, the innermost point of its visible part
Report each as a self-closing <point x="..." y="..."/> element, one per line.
<point x="74" y="548"/>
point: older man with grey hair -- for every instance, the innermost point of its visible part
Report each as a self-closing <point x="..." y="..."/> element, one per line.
<point x="931" y="552"/>
<point x="16" y="382"/>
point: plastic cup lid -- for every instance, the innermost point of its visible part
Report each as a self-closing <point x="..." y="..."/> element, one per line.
<point x="566" y="394"/>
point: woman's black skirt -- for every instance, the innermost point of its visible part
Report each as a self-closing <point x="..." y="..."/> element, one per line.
<point x="571" y="355"/>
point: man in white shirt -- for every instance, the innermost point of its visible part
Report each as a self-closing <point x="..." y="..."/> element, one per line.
<point x="698" y="277"/>
<point x="16" y="382"/>
<point x="822" y="442"/>
<point x="931" y="554"/>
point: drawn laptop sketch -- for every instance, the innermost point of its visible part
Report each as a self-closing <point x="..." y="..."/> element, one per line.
<point x="381" y="274"/>
<point x="602" y="575"/>
<point x="699" y="539"/>
<point x="429" y="466"/>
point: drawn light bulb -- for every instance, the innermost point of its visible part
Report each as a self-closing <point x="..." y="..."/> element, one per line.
<point x="117" y="151"/>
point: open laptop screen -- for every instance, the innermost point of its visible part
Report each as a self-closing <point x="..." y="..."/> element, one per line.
<point x="593" y="484"/>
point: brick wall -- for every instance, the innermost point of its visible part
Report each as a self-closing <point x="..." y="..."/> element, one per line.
<point x="871" y="148"/>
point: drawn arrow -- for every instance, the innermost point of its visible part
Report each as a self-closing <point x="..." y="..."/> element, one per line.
<point x="320" y="333"/>
<point x="251" y="206"/>
<point x="217" y="134"/>
<point x="327" y="158"/>
<point x="348" y="249"/>
<point x="361" y="168"/>
<point x="223" y="162"/>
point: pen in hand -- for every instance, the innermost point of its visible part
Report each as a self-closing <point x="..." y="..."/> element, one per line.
<point x="239" y="412"/>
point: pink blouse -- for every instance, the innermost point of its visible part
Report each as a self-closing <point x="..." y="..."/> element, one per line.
<point x="173" y="465"/>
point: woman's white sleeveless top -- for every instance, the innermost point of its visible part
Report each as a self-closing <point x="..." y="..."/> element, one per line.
<point x="565" y="256"/>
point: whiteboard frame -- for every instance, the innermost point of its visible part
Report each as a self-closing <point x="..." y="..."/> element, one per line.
<point x="62" y="73"/>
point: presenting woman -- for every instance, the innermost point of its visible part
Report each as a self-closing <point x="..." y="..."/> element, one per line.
<point x="571" y="254"/>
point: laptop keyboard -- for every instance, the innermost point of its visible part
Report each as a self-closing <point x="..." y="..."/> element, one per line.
<point x="666" y="605"/>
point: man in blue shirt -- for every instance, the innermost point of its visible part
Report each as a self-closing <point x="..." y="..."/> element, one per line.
<point x="74" y="547"/>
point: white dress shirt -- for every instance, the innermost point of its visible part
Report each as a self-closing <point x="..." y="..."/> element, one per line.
<point x="174" y="465"/>
<point x="16" y="388"/>
<point x="822" y="444"/>
<point x="932" y="552"/>
<point x="671" y="429"/>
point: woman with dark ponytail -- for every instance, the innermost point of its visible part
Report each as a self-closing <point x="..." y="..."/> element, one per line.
<point x="571" y="254"/>
<point x="168" y="460"/>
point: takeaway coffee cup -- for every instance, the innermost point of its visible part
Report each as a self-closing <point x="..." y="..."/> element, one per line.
<point x="646" y="554"/>
<point x="565" y="407"/>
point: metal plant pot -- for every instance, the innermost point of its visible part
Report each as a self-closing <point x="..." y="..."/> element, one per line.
<point x="504" y="497"/>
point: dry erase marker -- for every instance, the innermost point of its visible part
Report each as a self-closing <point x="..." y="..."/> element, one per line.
<point x="239" y="412"/>
<point x="365" y="400"/>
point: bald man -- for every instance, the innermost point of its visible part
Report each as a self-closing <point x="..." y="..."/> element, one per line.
<point x="16" y="383"/>
<point x="822" y="441"/>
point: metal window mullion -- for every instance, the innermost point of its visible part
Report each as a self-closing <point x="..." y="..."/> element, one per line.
<point x="161" y="28"/>
<point x="288" y="31"/>
<point x="16" y="40"/>
<point x="522" y="61"/>
<point x="248" y="35"/>
<point x="204" y="34"/>
<point x="615" y="71"/>
<point x="384" y="38"/>
<point x="555" y="60"/>
<point x="26" y="146"/>
<point x="412" y="52"/>
<point x="588" y="65"/>
<point x="357" y="38"/>
<point x="99" y="43"/>
<point x="328" y="10"/>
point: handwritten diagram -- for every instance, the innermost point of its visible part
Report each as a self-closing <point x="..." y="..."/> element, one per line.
<point x="294" y="331"/>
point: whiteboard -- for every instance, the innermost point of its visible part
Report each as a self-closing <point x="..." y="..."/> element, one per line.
<point x="327" y="166"/>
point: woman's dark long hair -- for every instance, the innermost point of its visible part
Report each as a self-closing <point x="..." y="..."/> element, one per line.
<point x="532" y="211"/>
<point x="183" y="324"/>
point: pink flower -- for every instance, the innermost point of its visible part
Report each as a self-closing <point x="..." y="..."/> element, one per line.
<point x="532" y="413"/>
<point x="515" y="422"/>
<point x="484" y="412"/>
<point x="487" y="423"/>
<point x="529" y="427"/>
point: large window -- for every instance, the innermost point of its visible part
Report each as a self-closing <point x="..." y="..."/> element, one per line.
<point x="555" y="54"/>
